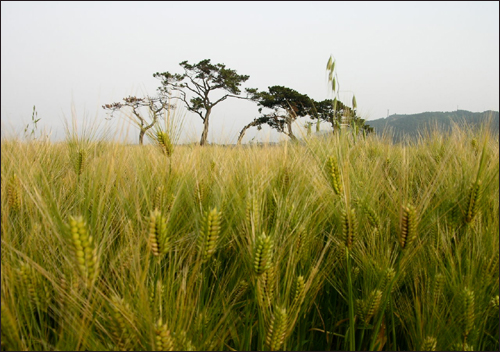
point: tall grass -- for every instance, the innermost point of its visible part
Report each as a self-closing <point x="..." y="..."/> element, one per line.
<point x="330" y="244"/>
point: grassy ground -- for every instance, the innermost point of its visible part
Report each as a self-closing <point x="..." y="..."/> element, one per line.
<point x="332" y="244"/>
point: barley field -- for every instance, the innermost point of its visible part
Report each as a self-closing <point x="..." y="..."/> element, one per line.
<point x="339" y="243"/>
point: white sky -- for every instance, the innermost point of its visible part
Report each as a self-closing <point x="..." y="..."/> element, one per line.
<point x="407" y="57"/>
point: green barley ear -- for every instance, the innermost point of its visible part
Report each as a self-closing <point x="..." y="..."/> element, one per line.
<point x="10" y="332"/>
<point x="165" y="143"/>
<point x="372" y="305"/>
<point x="360" y="309"/>
<point x="265" y="287"/>
<point x="158" y="197"/>
<point x="277" y="329"/>
<point x="241" y="289"/>
<point x="494" y="304"/>
<point x="209" y="235"/>
<point x="262" y="255"/>
<point x="271" y="208"/>
<point x="158" y="238"/>
<point x="14" y="193"/>
<point x="302" y="243"/>
<point x="372" y="216"/>
<point x="84" y="251"/>
<point x="253" y="212"/>
<point x="437" y="287"/>
<point x="473" y="201"/>
<point x="79" y="161"/>
<point x="200" y="192"/>
<point x="349" y="227"/>
<point x="300" y="291"/>
<point x="408" y="232"/>
<point x="467" y="312"/>
<point x="163" y="338"/>
<point x="29" y="284"/>
<point x="388" y="277"/>
<point x="429" y="344"/>
<point x="335" y="178"/>
<point x="121" y="319"/>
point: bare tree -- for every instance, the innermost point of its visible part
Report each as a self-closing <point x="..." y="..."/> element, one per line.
<point x="155" y="105"/>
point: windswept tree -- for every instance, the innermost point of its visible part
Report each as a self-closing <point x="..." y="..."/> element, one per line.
<point x="286" y="106"/>
<point x="342" y="115"/>
<point x="200" y="80"/>
<point x="156" y="107"/>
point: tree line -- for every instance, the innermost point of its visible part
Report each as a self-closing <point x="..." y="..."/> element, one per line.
<point x="278" y="106"/>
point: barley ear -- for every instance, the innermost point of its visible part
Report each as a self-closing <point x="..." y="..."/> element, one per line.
<point x="473" y="201"/>
<point x="277" y="329"/>
<point x="14" y="193"/>
<point x="10" y="332"/>
<point x="120" y="324"/>
<point x="335" y="178"/>
<point x="408" y="231"/>
<point x="163" y="338"/>
<point x="429" y="344"/>
<point x="467" y="312"/>
<point x="84" y="251"/>
<point x="262" y="256"/>
<point x="209" y="235"/>
<point x="165" y="143"/>
<point x="349" y="227"/>
<point x="372" y="305"/>
<point x="158" y="238"/>
<point x="300" y="291"/>
<point x="79" y="161"/>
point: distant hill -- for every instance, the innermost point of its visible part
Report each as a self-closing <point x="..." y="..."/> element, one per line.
<point x="416" y="124"/>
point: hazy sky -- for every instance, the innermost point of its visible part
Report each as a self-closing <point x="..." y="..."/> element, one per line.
<point x="69" y="58"/>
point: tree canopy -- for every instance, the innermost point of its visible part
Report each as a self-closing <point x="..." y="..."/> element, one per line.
<point x="287" y="105"/>
<point x="200" y="80"/>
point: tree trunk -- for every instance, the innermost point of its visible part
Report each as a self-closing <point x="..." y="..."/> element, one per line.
<point x="242" y="133"/>
<point x="141" y="136"/>
<point x="204" y="135"/>
<point x="289" y="126"/>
